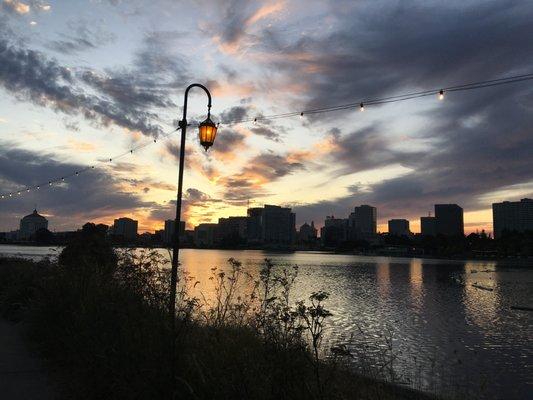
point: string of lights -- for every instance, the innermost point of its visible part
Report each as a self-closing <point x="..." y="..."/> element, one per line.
<point x="360" y="104"/>
<point x="64" y="178"/>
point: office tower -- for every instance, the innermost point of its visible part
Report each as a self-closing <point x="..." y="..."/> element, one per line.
<point x="399" y="227"/>
<point x="449" y="220"/>
<point x="126" y="228"/>
<point x="512" y="216"/>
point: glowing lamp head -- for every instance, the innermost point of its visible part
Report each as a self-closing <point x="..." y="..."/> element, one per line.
<point x="361" y="107"/>
<point x="441" y="94"/>
<point x="207" y="133"/>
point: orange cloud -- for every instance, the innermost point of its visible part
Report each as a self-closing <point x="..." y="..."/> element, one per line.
<point x="265" y="11"/>
<point x="17" y="6"/>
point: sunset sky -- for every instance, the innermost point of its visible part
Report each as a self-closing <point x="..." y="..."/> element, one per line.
<point x="84" y="80"/>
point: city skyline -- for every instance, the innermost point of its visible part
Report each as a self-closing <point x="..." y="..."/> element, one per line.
<point x="447" y="219"/>
<point x="80" y="81"/>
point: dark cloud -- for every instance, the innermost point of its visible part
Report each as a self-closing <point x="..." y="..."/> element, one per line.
<point x="31" y="76"/>
<point x="266" y="132"/>
<point x="475" y="142"/>
<point x="83" y="35"/>
<point x="228" y="141"/>
<point x="236" y="113"/>
<point x="93" y="194"/>
<point x="159" y="63"/>
<point x="260" y="170"/>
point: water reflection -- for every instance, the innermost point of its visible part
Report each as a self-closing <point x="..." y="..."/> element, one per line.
<point x="447" y="334"/>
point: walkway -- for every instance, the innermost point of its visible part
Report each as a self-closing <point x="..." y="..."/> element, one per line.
<point x="21" y="374"/>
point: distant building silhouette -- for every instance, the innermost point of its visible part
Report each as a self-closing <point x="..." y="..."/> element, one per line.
<point x="232" y="230"/>
<point x="449" y="220"/>
<point x="205" y="235"/>
<point x="334" y="231"/>
<point x="168" y="233"/>
<point x="362" y="222"/>
<point x="125" y="228"/>
<point x="30" y="224"/>
<point x="428" y="226"/>
<point x="308" y="233"/>
<point x="399" y="227"/>
<point x="512" y="216"/>
<point x="271" y="225"/>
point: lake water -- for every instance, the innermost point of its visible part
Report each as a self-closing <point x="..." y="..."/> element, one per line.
<point x="446" y="333"/>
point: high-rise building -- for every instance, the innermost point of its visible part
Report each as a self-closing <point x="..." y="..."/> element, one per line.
<point x="271" y="225"/>
<point x="428" y="226"/>
<point x="449" y="220"/>
<point x="512" y="216"/>
<point x="334" y="231"/>
<point x="205" y="235"/>
<point x="125" y="228"/>
<point x="254" y="225"/>
<point x="30" y="224"/>
<point x="399" y="227"/>
<point x="168" y="233"/>
<point x="232" y="230"/>
<point x="308" y="233"/>
<point x="362" y="222"/>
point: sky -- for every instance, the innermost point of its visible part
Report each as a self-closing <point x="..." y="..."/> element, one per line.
<point x="84" y="80"/>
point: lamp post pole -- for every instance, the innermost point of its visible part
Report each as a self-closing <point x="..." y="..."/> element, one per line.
<point x="176" y="249"/>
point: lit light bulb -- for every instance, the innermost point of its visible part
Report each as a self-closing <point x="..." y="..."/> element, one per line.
<point x="63" y="179"/>
<point x="28" y="190"/>
<point x="77" y="173"/>
<point x="18" y="193"/>
<point x="49" y="183"/>
<point x="361" y="107"/>
<point x="441" y="94"/>
<point x="38" y="187"/>
<point x="255" y="121"/>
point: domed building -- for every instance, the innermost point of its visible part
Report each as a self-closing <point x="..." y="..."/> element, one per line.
<point x="32" y="223"/>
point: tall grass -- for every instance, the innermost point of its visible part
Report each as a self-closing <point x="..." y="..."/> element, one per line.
<point x="102" y="324"/>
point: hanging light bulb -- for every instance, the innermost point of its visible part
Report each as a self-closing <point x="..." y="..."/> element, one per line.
<point x="63" y="179"/>
<point x="301" y="114"/>
<point x="38" y="187"/>
<point x="28" y="190"/>
<point x="10" y="194"/>
<point x="77" y="173"/>
<point x="49" y="183"/>
<point x="441" y="94"/>
<point x="255" y="121"/>
<point x="18" y="193"/>
<point x="361" y="107"/>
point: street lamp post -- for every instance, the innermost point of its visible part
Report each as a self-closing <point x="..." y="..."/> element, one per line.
<point x="207" y="134"/>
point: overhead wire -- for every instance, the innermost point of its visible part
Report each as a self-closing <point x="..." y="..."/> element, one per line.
<point x="361" y="104"/>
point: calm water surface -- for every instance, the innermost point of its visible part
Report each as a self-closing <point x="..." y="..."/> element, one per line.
<point x="446" y="335"/>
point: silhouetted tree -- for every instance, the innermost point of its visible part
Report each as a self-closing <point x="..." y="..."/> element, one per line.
<point x="90" y="249"/>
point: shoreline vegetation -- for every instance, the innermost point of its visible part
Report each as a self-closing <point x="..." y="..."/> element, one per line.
<point x="100" y="321"/>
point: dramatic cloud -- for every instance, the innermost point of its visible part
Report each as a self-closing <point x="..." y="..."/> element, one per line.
<point x="94" y="194"/>
<point x="31" y="76"/>
<point x="260" y="170"/>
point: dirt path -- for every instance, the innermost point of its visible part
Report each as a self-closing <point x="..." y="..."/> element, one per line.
<point x="21" y="374"/>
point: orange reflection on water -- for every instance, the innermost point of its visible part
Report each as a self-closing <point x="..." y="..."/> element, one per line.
<point x="481" y="296"/>
<point x="383" y="278"/>
<point x="416" y="281"/>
